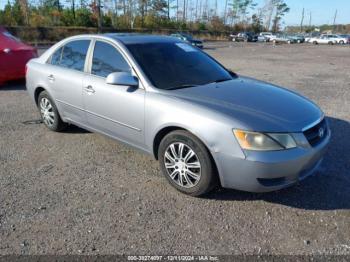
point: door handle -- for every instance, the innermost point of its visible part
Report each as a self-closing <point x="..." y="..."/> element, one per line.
<point x="7" y="50"/>
<point x="51" y="78"/>
<point x="89" y="89"/>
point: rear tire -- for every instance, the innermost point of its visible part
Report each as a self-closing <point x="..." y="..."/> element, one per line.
<point x="49" y="113"/>
<point x="195" y="175"/>
<point x="341" y="42"/>
<point x="315" y="42"/>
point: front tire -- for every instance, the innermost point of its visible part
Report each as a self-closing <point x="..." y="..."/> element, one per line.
<point x="49" y="113"/>
<point x="186" y="163"/>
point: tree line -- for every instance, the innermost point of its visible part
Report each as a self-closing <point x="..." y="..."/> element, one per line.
<point x="232" y="15"/>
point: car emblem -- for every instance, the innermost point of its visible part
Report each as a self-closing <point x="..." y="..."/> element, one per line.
<point x="321" y="132"/>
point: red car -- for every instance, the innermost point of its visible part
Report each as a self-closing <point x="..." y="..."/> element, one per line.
<point x="14" y="56"/>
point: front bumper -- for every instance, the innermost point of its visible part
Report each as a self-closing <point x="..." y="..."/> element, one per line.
<point x="269" y="171"/>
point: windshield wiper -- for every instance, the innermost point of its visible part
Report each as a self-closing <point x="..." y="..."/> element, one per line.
<point x="221" y="80"/>
<point x="192" y="85"/>
<point x="181" y="86"/>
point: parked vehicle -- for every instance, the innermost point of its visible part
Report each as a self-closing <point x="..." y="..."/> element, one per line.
<point x="204" y="123"/>
<point x="268" y="35"/>
<point x="324" y="39"/>
<point x="298" y="38"/>
<point x="282" y="38"/>
<point x="13" y="56"/>
<point x="232" y="36"/>
<point x="262" y="38"/>
<point x="245" y="37"/>
<point x="188" y="38"/>
<point x="341" y="40"/>
<point x="347" y="37"/>
<point x="312" y="35"/>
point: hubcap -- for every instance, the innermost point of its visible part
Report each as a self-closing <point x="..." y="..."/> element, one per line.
<point x="47" y="112"/>
<point x="182" y="165"/>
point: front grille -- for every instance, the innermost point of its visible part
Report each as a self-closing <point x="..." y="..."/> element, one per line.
<point x="317" y="133"/>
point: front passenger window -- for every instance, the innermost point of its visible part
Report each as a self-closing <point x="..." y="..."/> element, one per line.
<point x="107" y="59"/>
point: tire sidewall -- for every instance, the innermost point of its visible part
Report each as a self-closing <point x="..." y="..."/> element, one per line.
<point x="207" y="179"/>
<point x="56" y="124"/>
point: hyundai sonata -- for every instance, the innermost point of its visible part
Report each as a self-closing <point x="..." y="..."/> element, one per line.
<point x="205" y="124"/>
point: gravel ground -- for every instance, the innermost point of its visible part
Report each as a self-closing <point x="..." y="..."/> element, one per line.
<point x="82" y="193"/>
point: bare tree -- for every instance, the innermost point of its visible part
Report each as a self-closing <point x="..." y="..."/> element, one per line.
<point x="25" y="10"/>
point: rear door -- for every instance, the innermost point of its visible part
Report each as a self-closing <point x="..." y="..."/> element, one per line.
<point x="65" y="78"/>
<point x="114" y="110"/>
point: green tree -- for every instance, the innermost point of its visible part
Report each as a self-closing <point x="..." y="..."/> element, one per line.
<point x="257" y="25"/>
<point x="281" y="9"/>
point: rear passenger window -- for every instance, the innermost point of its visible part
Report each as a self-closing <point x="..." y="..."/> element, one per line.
<point x="72" y="55"/>
<point x="107" y="59"/>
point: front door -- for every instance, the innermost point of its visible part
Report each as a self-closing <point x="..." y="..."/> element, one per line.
<point x="115" y="110"/>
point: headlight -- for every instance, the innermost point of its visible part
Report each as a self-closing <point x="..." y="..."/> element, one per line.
<point x="264" y="141"/>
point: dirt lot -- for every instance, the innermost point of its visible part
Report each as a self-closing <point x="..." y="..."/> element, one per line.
<point x="77" y="192"/>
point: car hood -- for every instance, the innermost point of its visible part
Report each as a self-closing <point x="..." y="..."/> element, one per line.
<point x="255" y="105"/>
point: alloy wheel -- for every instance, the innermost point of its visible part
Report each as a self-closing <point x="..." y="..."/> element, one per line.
<point x="182" y="164"/>
<point x="47" y="112"/>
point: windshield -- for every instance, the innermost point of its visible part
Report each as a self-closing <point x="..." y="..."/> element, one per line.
<point x="8" y="35"/>
<point x="173" y="65"/>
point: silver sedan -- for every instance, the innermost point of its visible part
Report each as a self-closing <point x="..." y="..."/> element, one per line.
<point x="206" y="125"/>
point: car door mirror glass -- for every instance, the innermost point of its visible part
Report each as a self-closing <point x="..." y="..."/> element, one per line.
<point x="122" y="78"/>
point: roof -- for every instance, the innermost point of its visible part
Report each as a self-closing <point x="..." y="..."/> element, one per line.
<point x="9" y="41"/>
<point x="132" y="38"/>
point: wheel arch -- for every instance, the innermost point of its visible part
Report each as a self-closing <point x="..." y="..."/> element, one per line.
<point x="161" y="134"/>
<point x="37" y="92"/>
<point x="166" y="130"/>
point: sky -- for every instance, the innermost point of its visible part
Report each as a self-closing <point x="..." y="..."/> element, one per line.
<point x="322" y="10"/>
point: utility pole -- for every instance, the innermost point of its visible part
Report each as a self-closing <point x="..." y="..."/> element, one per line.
<point x="335" y="17"/>
<point x="168" y="9"/>
<point x="177" y="10"/>
<point x="310" y="20"/>
<point x="99" y="22"/>
<point x="216" y="7"/>
<point x="184" y="11"/>
<point x="302" y="20"/>
<point x="225" y="12"/>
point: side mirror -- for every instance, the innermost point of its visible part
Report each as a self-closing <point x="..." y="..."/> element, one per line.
<point x="122" y="78"/>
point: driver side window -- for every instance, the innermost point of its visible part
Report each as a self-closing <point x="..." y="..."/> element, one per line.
<point x="107" y="59"/>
